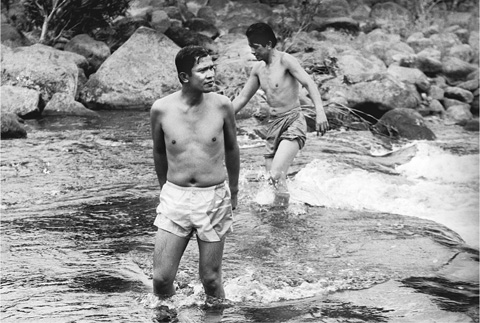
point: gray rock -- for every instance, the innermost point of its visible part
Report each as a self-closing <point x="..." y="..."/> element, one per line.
<point x="138" y="73"/>
<point x="459" y="113"/>
<point x="457" y="69"/>
<point x="462" y="51"/>
<point x="20" y="101"/>
<point x="436" y="92"/>
<point x="96" y="52"/>
<point x="458" y="93"/>
<point x="12" y="126"/>
<point x="160" y="21"/>
<point x="13" y="37"/>
<point x="412" y="76"/>
<point x="44" y="68"/>
<point x="404" y="123"/>
<point x="63" y="104"/>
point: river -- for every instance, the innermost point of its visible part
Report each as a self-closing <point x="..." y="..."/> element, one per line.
<point x="376" y="231"/>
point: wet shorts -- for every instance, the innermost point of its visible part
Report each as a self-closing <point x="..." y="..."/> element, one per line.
<point x="204" y="210"/>
<point x="290" y="125"/>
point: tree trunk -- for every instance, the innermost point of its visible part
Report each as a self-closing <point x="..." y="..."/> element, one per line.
<point x="43" y="35"/>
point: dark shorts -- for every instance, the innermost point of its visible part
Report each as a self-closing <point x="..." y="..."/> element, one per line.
<point x="204" y="210"/>
<point x="290" y="125"/>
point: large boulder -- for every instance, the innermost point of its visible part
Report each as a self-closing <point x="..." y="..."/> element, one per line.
<point x="374" y="94"/>
<point x="412" y="76"/>
<point x="43" y="68"/>
<point x="20" y="101"/>
<point x="202" y="27"/>
<point x="457" y="93"/>
<point x="139" y="72"/>
<point x="456" y="69"/>
<point x="96" y="52"/>
<point x="386" y="50"/>
<point x="183" y="36"/>
<point x="404" y="123"/>
<point x="462" y="51"/>
<point x="352" y="64"/>
<point x="459" y="113"/>
<point x="426" y="62"/>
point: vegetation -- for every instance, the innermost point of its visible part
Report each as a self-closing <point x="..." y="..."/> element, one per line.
<point x="57" y="17"/>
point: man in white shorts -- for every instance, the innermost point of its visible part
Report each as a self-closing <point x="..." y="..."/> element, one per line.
<point x="194" y="149"/>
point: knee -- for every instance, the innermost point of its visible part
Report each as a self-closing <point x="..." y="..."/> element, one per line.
<point x="211" y="279"/>
<point x="163" y="284"/>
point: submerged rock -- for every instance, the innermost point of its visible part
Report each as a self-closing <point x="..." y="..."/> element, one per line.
<point x="12" y="126"/>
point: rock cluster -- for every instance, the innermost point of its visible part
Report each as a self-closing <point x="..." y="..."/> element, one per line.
<point x="367" y="57"/>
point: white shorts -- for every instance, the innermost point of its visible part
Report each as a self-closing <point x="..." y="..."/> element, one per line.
<point x="204" y="210"/>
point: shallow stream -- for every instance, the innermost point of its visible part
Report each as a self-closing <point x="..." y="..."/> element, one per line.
<point x="376" y="231"/>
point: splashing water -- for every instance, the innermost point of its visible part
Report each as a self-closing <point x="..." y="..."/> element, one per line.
<point x="435" y="184"/>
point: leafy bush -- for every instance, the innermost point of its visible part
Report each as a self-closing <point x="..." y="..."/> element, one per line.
<point x="60" y="17"/>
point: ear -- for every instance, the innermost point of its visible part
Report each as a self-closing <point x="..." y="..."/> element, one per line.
<point x="269" y="44"/>
<point x="183" y="76"/>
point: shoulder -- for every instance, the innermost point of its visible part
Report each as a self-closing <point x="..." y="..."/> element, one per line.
<point x="162" y="103"/>
<point x="287" y="59"/>
<point x="257" y="66"/>
<point x="218" y="100"/>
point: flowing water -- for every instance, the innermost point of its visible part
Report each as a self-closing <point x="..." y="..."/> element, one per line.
<point x="89" y="259"/>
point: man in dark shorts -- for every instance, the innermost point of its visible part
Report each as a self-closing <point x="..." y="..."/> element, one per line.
<point x="279" y="75"/>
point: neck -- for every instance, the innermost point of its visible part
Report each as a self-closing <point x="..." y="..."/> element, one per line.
<point x="191" y="97"/>
<point x="271" y="56"/>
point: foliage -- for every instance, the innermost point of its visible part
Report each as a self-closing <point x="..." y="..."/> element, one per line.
<point x="57" y="17"/>
<point x="297" y="19"/>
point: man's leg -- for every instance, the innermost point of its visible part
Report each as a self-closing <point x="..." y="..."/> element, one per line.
<point x="284" y="156"/>
<point x="169" y="249"/>
<point x="211" y="254"/>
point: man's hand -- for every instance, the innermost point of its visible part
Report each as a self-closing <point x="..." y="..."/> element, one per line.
<point x="233" y="199"/>
<point x="321" y="125"/>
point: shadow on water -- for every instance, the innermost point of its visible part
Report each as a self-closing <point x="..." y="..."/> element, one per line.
<point x="448" y="295"/>
<point x="313" y="310"/>
<point x="127" y="121"/>
<point x="113" y="218"/>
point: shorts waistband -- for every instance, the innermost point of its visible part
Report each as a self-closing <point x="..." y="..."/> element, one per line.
<point x="286" y="113"/>
<point x="195" y="188"/>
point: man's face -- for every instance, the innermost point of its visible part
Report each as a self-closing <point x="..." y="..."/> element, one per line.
<point x="203" y="75"/>
<point x="259" y="51"/>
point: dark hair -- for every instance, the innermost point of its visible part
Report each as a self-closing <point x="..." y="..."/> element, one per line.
<point x="261" y="33"/>
<point x="187" y="57"/>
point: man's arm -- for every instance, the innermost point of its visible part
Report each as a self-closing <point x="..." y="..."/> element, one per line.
<point x="306" y="80"/>
<point x="159" y="149"/>
<point x="249" y="89"/>
<point x="232" y="152"/>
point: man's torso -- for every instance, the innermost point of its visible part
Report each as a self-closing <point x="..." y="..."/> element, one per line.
<point x="280" y="87"/>
<point x="194" y="142"/>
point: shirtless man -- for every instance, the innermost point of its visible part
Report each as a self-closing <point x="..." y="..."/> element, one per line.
<point x="279" y="75"/>
<point x="194" y="134"/>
